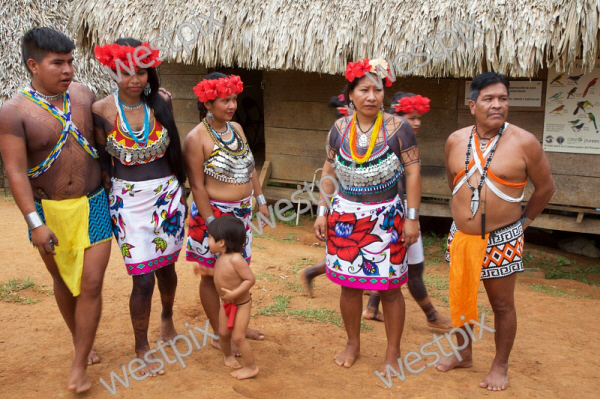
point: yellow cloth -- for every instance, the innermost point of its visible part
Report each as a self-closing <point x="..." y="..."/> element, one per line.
<point x="466" y="260"/>
<point x="69" y="220"/>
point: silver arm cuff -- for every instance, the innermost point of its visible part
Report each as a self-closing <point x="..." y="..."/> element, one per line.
<point x="260" y="200"/>
<point x="209" y="219"/>
<point x="322" y="210"/>
<point x="412" y="213"/>
<point x="33" y="220"/>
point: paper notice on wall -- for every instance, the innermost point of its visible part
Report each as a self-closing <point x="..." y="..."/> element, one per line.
<point x="523" y="93"/>
<point x="573" y="111"/>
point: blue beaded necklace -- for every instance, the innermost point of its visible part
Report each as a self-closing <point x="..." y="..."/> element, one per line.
<point x="140" y="142"/>
<point x="219" y="135"/>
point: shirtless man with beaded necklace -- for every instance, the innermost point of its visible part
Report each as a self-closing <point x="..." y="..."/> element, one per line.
<point x="486" y="238"/>
<point x="48" y="149"/>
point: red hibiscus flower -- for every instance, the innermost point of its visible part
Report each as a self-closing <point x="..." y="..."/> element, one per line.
<point x="421" y="104"/>
<point x="236" y="84"/>
<point x="206" y="90"/>
<point x="223" y="88"/>
<point x="357" y="69"/>
<point x="397" y="248"/>
<point x="218" y="213"/>
<point x="198" y="228"/>
<point x="346" y="235"/>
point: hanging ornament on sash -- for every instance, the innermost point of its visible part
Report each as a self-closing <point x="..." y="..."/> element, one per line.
<point x="476" y="191"/>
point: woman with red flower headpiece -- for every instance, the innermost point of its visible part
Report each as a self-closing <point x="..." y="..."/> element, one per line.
<point x="366" y="231"/>
<point x="223" y="180"/>
<point x="135" y="126"/>
<point x="411" y="107"/>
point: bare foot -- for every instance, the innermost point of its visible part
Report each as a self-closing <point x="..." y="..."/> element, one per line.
<point x="391" y="358"/>
<point x="372" y="314"/>
<point x="78" y="381"/>
<point x="93" y="357"/>
<point x="450" y="362"/>
<point x="306" y="282"/>
<point x="149" y="366"/>
<point x="246" y="372"/>
<point x="441" y="322"/>
<point x="231" y="362"/>
<point x="257" y="335"/>
<point x="234" y="349"/>
<point x="496" y="380"/>
<point x="167" y="330"/>
<point x="348" y="356"/>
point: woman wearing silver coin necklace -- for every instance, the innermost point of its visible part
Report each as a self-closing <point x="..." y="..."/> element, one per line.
<point x="223" y="180"/>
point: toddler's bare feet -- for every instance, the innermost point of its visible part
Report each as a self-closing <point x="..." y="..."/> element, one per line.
<point x="231" y="362"/>
<point x="245" y="372"/>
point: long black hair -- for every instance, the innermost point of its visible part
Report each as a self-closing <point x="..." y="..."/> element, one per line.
<point x="163" y="113"/>
<point x="210" y="76"/>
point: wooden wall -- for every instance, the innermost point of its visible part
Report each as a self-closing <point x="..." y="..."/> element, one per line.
<point x="297" y="119"/>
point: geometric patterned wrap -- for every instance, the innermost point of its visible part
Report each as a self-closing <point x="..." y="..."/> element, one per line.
<point x="99" y="227"/>
<point x="147" y="220"/>
<point x="504" y="252"/>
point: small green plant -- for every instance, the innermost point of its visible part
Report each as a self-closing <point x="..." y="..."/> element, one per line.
<point x="433" y="281"/>
<point x="553" y="291"/>
<point x="279" y="308"/>
<point x="255" y="245"/>
<point x="322" y="315"/>
<point x="9" y="292"/>
<point x="440" y="296"/>
<point x="265" y="276"/>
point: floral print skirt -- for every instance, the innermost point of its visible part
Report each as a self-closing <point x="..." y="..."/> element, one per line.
<point x="197" y="243"/>
<point x="364" y="248"/>
<point x="147" y="219"/>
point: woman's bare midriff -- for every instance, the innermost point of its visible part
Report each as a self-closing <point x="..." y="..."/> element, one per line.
<point x="498" y="212"/>
<point x="221" y="191"/>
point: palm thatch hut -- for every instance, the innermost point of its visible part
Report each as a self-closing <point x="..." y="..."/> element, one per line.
<point x="292" y="54"/>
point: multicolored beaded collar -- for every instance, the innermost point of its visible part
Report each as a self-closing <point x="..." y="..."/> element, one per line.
<point x="64" y="117"/>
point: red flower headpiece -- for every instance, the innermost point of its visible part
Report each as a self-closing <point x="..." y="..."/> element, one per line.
<point x="146" y="55"/>
<point x="409" y="104"/>
<point x="210" y="89"/>
<point x="358" y="69"/>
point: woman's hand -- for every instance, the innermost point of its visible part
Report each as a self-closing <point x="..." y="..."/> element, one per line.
<point x="265" y="211"/>
<point x="410" y="232"/>
<point x="321" y="228"/>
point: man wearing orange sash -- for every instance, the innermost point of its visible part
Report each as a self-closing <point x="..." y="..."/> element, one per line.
<point x="488" y="165"/>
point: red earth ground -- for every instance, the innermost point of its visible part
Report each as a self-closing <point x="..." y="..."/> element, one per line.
<point x="555" y="354"/>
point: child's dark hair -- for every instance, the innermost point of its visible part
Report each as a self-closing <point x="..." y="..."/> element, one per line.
<point x="230" y="229"/>
<point x="38" y="42"/>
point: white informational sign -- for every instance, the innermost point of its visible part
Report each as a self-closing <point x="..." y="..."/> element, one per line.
<point x="572" y="107"/>
<point x="522" y="93"/>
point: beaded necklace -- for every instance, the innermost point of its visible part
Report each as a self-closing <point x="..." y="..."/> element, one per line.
<point x="141" y="136"/>
<point x="240" y="144"/>
<point x="374" y="134"/>
<point x="476" y="192"/>
<point x="64" y="118"/>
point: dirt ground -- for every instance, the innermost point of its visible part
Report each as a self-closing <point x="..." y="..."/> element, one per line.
<point x="555" y="353"/>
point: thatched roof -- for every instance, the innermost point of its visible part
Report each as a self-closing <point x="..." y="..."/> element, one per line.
<point x="18" y="16"/>
<point x="321" y="36"/>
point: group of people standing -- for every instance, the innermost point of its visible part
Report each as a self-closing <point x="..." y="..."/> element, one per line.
<point x="123" y="173"/>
